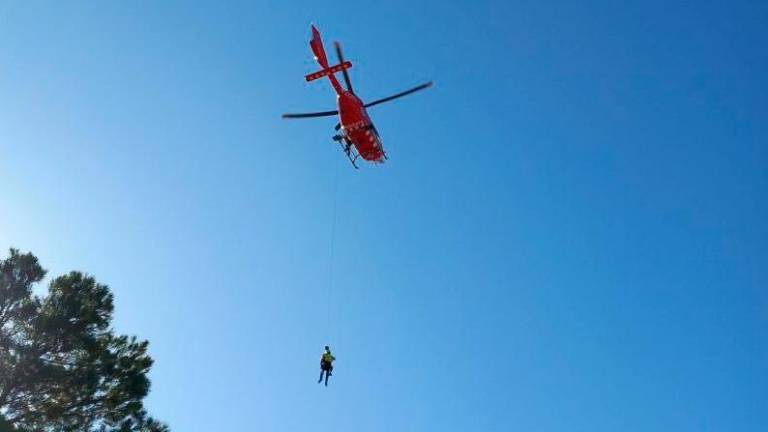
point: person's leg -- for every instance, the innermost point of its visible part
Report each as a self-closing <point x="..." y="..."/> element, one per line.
<point x="321" y="376"/>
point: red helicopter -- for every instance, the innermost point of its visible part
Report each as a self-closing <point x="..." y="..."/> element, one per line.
<point x="357" y="135"/>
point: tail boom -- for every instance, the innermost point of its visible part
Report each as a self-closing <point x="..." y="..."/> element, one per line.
<point x="316" y="43"/>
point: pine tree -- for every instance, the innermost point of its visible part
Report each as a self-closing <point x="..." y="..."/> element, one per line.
<point x="62" y="367"/>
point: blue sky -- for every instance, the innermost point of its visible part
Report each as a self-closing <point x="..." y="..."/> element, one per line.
<point x="571" y="233"/>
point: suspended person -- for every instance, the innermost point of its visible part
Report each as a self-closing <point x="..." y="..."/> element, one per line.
<point x="326" y="365"/>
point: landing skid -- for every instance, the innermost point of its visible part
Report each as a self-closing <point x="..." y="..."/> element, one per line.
<point x="347" y="147"/>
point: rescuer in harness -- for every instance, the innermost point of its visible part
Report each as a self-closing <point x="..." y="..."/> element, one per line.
<point x="326" y="365"/>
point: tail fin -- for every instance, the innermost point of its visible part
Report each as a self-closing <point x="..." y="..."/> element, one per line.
<point x="317" y="49"/>
<point x="328" y="71"/>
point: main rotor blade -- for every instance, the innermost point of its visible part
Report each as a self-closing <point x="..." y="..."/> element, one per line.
<point x="308" y="115"/>
<point x="346" y="74"/>
<point x="401" y="94"/>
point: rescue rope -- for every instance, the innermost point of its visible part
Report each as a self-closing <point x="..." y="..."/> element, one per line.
<point x="331" y="262"/>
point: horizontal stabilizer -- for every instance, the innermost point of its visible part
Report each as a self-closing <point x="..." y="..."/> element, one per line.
<point x="325" y="72"/>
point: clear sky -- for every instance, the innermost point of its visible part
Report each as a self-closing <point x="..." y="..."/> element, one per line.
<point x="571" y="233"/>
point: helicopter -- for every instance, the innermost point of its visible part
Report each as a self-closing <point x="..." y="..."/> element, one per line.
<point x="356" y="133"/>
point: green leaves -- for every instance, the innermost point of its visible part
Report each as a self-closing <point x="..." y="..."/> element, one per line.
<point x="62" y="367"/>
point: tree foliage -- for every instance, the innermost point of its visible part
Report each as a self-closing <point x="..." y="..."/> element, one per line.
<point x="62" y="367"/>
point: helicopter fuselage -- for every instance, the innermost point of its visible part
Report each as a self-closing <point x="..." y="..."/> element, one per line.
<point x="357" y="127"/>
